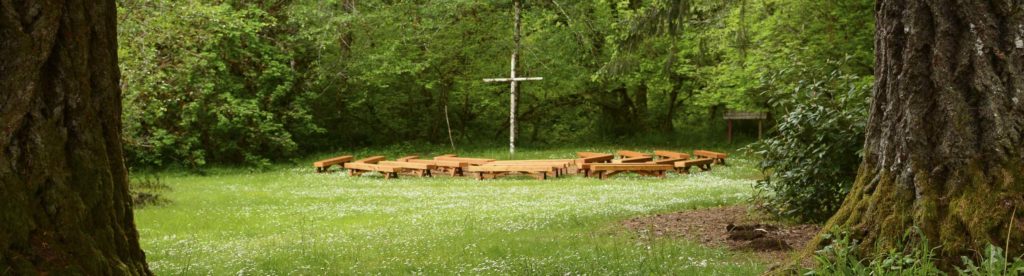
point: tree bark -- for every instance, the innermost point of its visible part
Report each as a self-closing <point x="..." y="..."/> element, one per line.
<point x="64" y="202"/>
<point x="943" y="148"/>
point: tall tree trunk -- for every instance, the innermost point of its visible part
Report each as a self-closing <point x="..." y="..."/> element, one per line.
<point x="64" y="202"/>
<point x="943" y="150"/>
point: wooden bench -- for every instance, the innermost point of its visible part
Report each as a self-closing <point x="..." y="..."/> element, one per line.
<point x="704" y="164"/>
<point x="417" y="169"/>
<point x="584" y="154"/>
<point x="631" y="154"/>
<point x="453" y="168"/>
<point x="604" y="171"/>
<point x="323" y="165"/>
<point x="717" y="156"/>
<point x="369" y="164"/>
<point x="588" y="158"/>
<point x="494" y="171"/>
<point x="639" y="159"/>
<point x="599" y="158"/>
<point x="358" y="168"/>
<point x="471" y="161"/>
<point x="668" y="161"/>
<point x="671" y="154"/>
<point x="407" y="158"/>
<point x="564" y="165"/>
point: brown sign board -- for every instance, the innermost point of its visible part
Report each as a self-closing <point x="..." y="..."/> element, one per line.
<point x="740" y="115"/>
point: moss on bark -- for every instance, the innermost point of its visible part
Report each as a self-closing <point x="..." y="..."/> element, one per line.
<point x="943" y="149"/>
<point x="64" y="202"/>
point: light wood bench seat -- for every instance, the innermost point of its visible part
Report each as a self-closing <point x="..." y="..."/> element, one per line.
<point x="631" y="154"/>
<point x="588" y="158"/>
<point x="407" y="158"/>
<point x="471" y="161"/>
<point x="584" y="154"/>
<point x="600" y="158"/>
<point x="639" y="159"/>
<point x="669" y="161"/>
<point x="359" y="168"/>
<point x="417" y="169"/>
<point x="564" y="165"/>
<point x="493" y="171"/>
<point x="671" y="154"/>
<point x="323" y="165"/>
<point x="717" y="156"/>
<point x="370" y="160"/>
<point x="452" y="168"/>
<point x="604" y="171"/>
<point x="704" y="164"/>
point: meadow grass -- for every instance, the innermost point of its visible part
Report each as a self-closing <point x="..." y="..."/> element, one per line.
<point x="288" y="220"/>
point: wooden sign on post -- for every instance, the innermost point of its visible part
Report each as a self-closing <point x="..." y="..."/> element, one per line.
<point x="742" y="115"/>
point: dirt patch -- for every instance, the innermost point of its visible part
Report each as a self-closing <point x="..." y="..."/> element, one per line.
<point x="731" y="227"/>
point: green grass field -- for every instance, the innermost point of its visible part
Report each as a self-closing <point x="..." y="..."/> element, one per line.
<point x="287" y="220"/>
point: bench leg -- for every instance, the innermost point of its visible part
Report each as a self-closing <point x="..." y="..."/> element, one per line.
<point x="479" y="176"/>
<point x="608" y="174"/>
<point x="683" y="170"/>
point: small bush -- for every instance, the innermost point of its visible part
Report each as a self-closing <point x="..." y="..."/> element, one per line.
<point x="147" y="190"/>
<point x="841" y="258"/>
<point x="810" y="163"/>
<point x="994" y="262"/>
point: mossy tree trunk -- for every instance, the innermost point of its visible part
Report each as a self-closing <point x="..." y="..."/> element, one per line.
<point x="944" y="141"/>
<point x="64" y="202"/>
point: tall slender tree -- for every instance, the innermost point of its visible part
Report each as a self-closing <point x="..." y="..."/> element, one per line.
<point x="64" y="202"/>
<point x="944" y="150"/>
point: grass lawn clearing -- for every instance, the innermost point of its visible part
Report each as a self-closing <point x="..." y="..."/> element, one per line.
<point x="289" y="220"/>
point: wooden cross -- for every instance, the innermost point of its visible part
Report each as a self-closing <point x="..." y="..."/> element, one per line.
<point x="513" y="81"/>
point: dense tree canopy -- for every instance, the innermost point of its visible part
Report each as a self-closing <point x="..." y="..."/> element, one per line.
<point x="256" y="81"/>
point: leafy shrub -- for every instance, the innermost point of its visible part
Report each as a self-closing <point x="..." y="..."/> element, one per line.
<point x="811" y="162"/>
<point x="994" y="262"/>
<point x="841" y="258"/>
<point x="147" y="190"/>
<point x="206" y="82"/>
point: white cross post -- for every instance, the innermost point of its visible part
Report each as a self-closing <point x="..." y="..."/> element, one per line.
<point x="513" y="81"/>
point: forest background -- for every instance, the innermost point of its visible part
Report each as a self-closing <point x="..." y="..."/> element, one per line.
<point x="256" y="82"/>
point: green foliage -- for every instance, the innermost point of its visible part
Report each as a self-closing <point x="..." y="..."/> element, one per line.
<point x="841" y="257"/>
<point x="993" y="262"/>
<point x="206" y="82"/>
<point x="811" y="162"/>
<point x="258" y="81"/>
<point x="147" y="190"/>
<point x="810" y="62"/>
